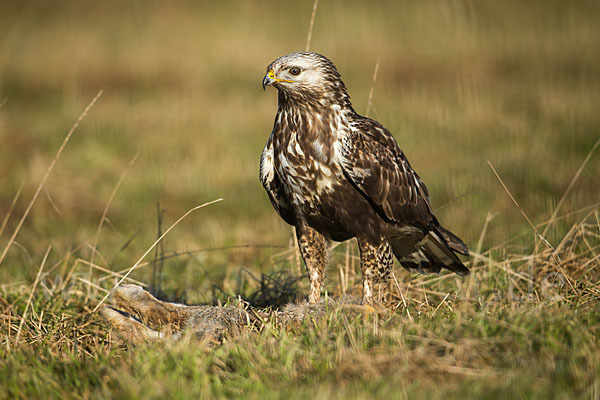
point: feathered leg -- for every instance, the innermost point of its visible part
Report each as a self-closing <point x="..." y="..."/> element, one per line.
<point x="376" y="262"/>
<point x="313" y="248"/>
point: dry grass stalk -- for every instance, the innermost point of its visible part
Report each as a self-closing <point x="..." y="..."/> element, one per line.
<point x="518" y="206"/>
<point x="109" y="273"/>
<point x="152" y="247"/>
<point x="11" y="208"/>
<point x="105" y="213"/>
<point x="50" y="167"/>
<point x="571" y="184"/>
<point x="311" y="24"/>
<point x="488" y="219"/>
<point x="31" y="293"/>
<point x="543" y="239"/>
<point x="372" y="90"/>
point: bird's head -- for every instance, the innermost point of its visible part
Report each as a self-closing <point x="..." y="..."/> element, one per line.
<point x="305" y="76"/>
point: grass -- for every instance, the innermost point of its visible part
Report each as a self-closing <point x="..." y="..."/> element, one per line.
<point x="458" y="83"/>
<point x="519" y="326"/>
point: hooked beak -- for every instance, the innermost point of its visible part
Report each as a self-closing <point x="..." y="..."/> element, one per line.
<point x="269" y="79"/>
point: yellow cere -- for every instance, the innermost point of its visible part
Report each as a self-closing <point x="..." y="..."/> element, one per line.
<point x="271" y="75"/>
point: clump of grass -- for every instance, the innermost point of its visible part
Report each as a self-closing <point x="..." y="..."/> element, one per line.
<point x="520" y="323"/>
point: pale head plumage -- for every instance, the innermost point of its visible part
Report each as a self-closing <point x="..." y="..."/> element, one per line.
<point x="306" y="76"/>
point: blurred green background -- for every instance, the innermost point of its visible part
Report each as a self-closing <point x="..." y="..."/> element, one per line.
<point x="459" y="83"/>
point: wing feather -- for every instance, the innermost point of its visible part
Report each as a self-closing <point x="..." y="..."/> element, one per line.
<point x="272" y="183"/>
<point x="374" y="163"/>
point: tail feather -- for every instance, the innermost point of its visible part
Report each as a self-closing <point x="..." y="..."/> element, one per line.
<point x="436" y="251"/>
<point x="453" y="241"/>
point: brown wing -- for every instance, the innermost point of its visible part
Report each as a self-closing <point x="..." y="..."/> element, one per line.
<point x="372" y="160"/>
<point x="272" y="184"/>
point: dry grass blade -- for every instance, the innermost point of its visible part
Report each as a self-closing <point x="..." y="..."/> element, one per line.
<point x="488" y="219"/>
<point x="311" y="24"/>
<point x="10" y="209"/>
<point x="402" y="297"/>
<point x="542" y="224"/>
<point x="518" y="206"/>
<point x="93" y="285"/>
<point x="370" y="100"/>
<point x="105" y="212"/>
<point x="50" y="167"/>
<point x="33" y="287"/>
<point x="154" y="245"/>
<point x="554" y="252"/>
<point x="439" y="305"/>
<point x="189" y="252"/>
<point x="109" y="273"/>
<point x="571" y="184"/>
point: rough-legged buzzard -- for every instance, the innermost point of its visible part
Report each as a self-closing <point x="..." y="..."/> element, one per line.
<point x="335" y="175"/>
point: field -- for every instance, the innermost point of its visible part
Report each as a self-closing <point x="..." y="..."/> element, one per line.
<point x="488" y="100"/>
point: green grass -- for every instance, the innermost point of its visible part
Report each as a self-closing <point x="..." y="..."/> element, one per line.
<point x="459" y="83"/>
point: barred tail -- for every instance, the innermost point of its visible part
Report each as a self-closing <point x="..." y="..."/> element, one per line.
<point x="434" y="252"/>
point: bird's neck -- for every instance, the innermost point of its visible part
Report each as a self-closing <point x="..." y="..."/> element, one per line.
<point x="332" y="98"/>
<point x="313" y="125"/>
<point x="311" y="110"/>
<point x="311" y="117"/>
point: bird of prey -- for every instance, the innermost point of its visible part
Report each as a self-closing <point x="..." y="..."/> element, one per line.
<point x="334" y="175"/>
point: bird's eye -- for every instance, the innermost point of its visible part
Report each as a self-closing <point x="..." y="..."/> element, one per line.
<point x="295" y="71"/>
